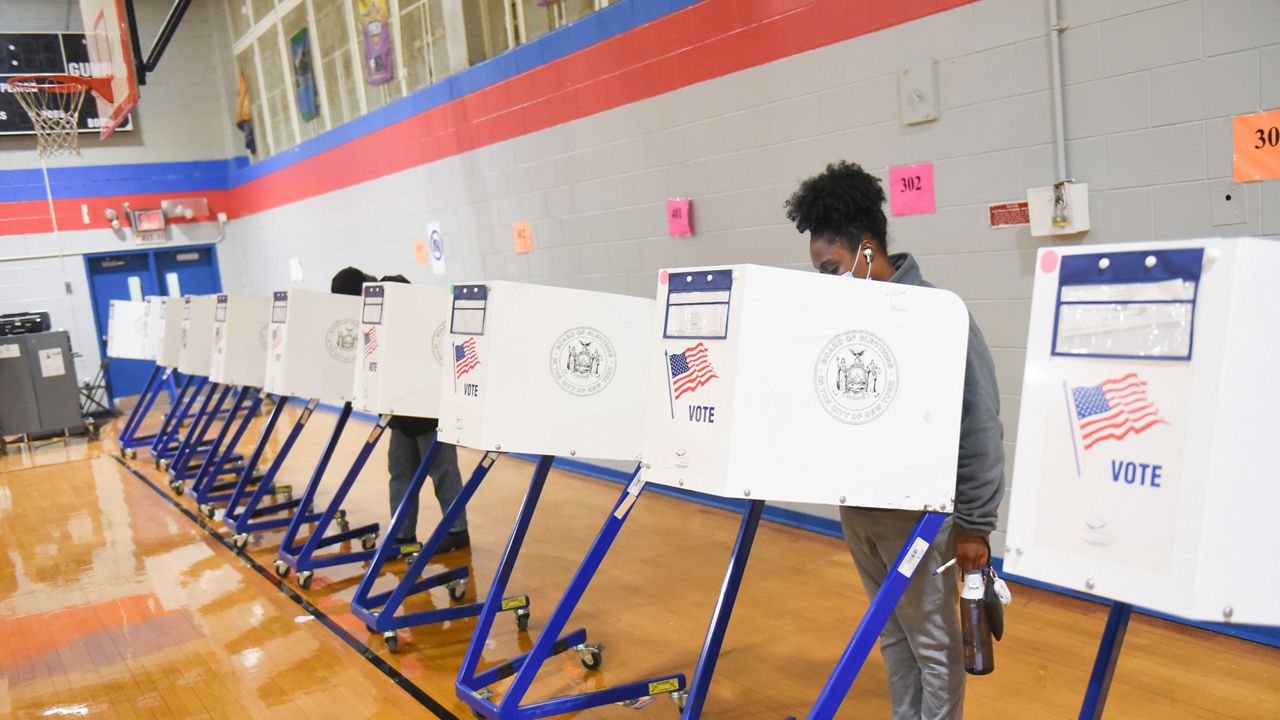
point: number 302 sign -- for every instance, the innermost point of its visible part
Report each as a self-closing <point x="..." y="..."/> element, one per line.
<point x="911" y="189"/>
<point x="1257" y="146"/>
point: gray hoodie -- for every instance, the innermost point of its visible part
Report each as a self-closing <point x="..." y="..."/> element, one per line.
<point x="980" y="469"/>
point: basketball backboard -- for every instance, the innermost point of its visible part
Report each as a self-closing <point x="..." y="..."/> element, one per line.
<point x="106" y="29"/>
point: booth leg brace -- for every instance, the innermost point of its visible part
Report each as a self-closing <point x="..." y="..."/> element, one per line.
<point x="302" y="557"/>
<point x="129" y="438"/>
<point x="1104" y="666"/>
<point x="184" y="465"/>
<point x="873" y="621"/>
<point x="164" y="444"/>
<point x="254" y="516"/>
<point x="222" y="458"/>
<point x="379" y="612"/>
<point x="472" y="685"/>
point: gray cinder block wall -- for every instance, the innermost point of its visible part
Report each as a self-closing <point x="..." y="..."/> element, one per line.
<point x="1150" y="90"/>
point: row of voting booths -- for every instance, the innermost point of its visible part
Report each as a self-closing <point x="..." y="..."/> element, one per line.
<point x="1140" y="474"/>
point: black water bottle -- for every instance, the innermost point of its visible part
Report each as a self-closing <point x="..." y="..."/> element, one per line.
<point x="978" y="657"/>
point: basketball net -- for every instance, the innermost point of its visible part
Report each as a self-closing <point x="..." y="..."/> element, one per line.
<point x="53" y="102"/>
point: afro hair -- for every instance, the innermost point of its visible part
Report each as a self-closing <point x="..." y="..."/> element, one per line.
<point x="844" y="203"/>
<point x="348" y="281"/>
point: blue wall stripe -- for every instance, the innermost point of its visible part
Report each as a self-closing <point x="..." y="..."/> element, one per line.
<point x="145" y="178"/>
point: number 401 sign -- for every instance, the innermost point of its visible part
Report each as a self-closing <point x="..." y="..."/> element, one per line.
<point x="1257" y="146"/>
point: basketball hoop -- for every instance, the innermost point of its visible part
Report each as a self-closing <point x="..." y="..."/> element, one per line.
<point x="53" y="102"/>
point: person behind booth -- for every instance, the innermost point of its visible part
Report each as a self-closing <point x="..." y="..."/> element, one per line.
<point x="842" y="210"/>
<point x="408" y="442"/>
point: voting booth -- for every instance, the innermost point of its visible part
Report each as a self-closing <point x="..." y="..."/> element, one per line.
<point x="760" y="376"/>
<point x="1146" y="451"/>
<point x="312" y="345"/>
<point x="1146" y="458"/>
<point x="549" y="371"/>
<point x="164" y="329"/>
<point x="196" y="347"/>
<point x="545" y="370"/>
<point x="402" y="349"/>
<point x="240" y="340"/>
<point x="312" y="341"/>
<point x="127" y="330"/>
<point x="771" y="384"/>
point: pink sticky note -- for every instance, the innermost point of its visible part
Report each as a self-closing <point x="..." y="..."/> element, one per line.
<point x="678" y="218"/>
<point x="911" y="189"/>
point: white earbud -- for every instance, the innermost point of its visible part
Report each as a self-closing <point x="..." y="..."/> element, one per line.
<point x="866" y="253"/>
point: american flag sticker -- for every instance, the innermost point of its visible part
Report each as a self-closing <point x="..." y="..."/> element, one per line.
<point x="1112" y="410"/>
<point x="690" y="370"/>
<point x="465" y="357"/>
<point x="370" y="341"/>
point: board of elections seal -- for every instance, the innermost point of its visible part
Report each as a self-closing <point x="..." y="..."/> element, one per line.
<point x="855" y="377"/>
<point x="262" y="335"/>
<point x="436" y="337"/>
<point x="583" y="361"/>
<point x="340" y="340"/>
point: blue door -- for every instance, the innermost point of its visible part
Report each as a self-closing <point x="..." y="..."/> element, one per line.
<point x="134" y="275"/>
<point x="124" y="276"/>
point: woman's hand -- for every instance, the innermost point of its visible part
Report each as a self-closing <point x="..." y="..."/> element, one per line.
<point x="971" y="552"/>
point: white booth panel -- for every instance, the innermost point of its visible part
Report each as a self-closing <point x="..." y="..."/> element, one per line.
<point x="312" y="345"/>
<point x="402" y="332"/>
<point x="545" y="370"/>
<point x="196" y="349"/>
<point x="127" y="330"/>
<point x="794" y="386"/>
<point x="240" y="340"/>
<point x="164" y="329"/>
<point x="1147" y="451"/>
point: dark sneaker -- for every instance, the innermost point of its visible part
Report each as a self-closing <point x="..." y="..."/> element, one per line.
<point x="454" y="541"/>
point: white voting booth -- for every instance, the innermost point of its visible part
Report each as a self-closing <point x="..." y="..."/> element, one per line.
<point x="785" y="385"/>
<point x="545" y="370"/>
<point x="403" y="342"/>
<point x="240" y="340"/>
<point x="1147" y="449"/>
<point x="127" y="330"/>
<point x="164" y="329"/>
<point x="312" y="345"/>
<point x="196" y="347"/>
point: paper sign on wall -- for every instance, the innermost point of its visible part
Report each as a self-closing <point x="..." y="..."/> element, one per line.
<point x="678" y="224"/>
<point x="522" y="234"/>
<point x="10" y="351"/>
<point x="435" y="246"/>
<point x="1257" y="146"/>
<point x="420" y="254"/>
<point x="295" y="270"/>
<point x="51" y="363"/>
<point x="911" y="189"/>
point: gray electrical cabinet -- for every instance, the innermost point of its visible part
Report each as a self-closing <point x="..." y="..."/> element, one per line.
<point x="39" y="394"/>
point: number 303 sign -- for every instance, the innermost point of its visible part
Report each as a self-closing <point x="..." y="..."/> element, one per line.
<point x="1257" y="146"/>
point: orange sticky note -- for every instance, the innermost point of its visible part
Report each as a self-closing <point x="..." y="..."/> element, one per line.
<point x="420" y="255"/>
<point x="1257" y="146"/>
<point x="522" y="233"/>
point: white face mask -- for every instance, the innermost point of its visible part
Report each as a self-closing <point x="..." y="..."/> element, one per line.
<point x="849" y="274"/>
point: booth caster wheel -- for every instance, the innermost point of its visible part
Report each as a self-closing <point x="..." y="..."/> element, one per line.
<point x="591" y="655"/>
<point x="239" y="542"/>
<point x="369" y="542"/>
<point x="341" y="519"/>
<point x="483" y="694"/>
<point x="131" y="453"/>
<point x="522" y="619"/>
<point x="92" y="429"/>
<point x="282" y="569"/>
<point x="208" y="510"/>
<point x="304" y="579"/>
<point x="162" y="463"/>
<point x="680" y="697"/>
<point x="392" y="640"/>
<point x="458" y="590"/>
<point x="179" y="488"/>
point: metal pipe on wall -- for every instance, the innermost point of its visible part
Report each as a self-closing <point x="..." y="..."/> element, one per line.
<point x="1056" y="28"/>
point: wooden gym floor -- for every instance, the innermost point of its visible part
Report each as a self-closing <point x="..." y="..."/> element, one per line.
<point x="116" y="602"/>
